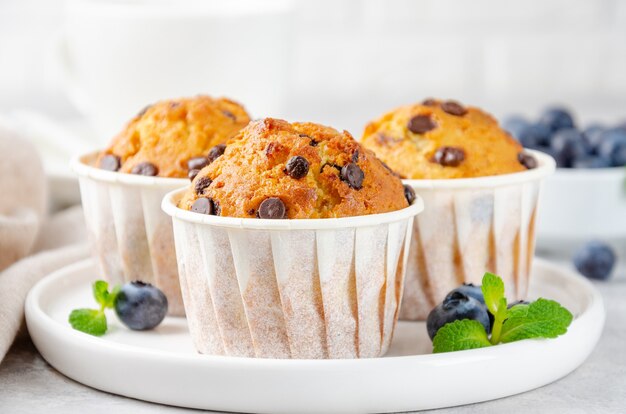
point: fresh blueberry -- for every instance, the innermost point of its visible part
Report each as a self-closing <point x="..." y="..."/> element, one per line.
<point x="534" y="136"/>
<point x="140" y="306"/>
<point x="570" y="145"/>
<point x="593" y="135"/>
<point x="471" y="290"/>
<point x="456" y="306"/>
<point x="556" y="118"/>
<point x="514" y="125"/>
<point x="611" y="146"/>
<point x="595" y="260"/>
<point x="592" y="161"/>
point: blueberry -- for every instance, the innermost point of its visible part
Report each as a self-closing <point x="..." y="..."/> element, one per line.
<point x="454" y="307"/>
<point x="556" y="118"/>
<point x="140" y="306"/>
<point x="592" y="161"/>
<point x="593" y="134"/>
<point x="570" y="145"/>
<point x="611" y="146"/>
<point x="514" y="125"/>
<point x="595" y="260"/>
<point x="557" y="157"/>
<point x="471" y="290"/>
<point x="534" y="136"/>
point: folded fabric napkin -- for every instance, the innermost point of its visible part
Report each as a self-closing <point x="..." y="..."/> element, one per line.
<point x="32" y="245"/>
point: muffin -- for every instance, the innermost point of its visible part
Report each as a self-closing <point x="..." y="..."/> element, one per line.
<point x="122" y="186"/>
<point x="440" y="140"/>
<point x="292" y="244"/>
<point x="170" y="138"/>
<point x="480" y="188"/>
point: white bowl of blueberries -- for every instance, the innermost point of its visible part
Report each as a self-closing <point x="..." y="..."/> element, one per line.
<point x="586" y="198"/>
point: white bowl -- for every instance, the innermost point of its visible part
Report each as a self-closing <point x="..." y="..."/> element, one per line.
<point x="583" y="204"/>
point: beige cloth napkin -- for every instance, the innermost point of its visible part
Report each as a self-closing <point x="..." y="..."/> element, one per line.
<point x="51" y="242"/>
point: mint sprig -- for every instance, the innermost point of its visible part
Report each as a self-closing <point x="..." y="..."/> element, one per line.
<point x="541" y="319"/>
<point x="94" y="321"/>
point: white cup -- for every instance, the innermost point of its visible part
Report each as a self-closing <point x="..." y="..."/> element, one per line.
<point x="121" y="55"/>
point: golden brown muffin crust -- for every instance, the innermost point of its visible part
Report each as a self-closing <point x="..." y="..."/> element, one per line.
<point x="415" y="140"/>
<point x="169" y="133"/>
<point x="254" y="168"/>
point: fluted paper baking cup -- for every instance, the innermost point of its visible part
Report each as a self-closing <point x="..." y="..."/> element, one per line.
<point x="130" y="236"/>
<point x="470" y="226"/>
<point x="304" y="288"/>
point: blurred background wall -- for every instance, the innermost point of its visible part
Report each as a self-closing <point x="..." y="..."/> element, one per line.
<point x="348" y="60"/>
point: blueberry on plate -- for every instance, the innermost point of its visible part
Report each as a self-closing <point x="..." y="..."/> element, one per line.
<point x="570" y="145"/>
<point x="612" y="146"/>
<point x="592" y="161"/>
<point x="514" y="125"/>
<point x="557" y="118"/>
<point x="140" y="306"/>
<point x="595" y="260"/>
<point x="456" y="306"/>
<point x="471" y="290"/>
<point x="534" y="136"/>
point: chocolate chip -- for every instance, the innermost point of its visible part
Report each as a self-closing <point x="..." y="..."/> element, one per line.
<point x="453" y="108"/>
<point x="197" y="163"/>
<point x="201" y="184"/>
<point x="229" y="114"/>
<point x="217" y="209"/>
<point x="203" y="205"/>
<point x="272" y="208"/>
<point x="421" y="124"/>
<point x="353" y="175"/>
<point x="527" y="160"/>
<point x="143" y="111"/>
<point x="355" y="156"/>
<point x="313" y="143"/>
<point x="449" y="156"/>
<point x="110" y="162"/>
<point x="305" y="136"/>
<point x="429" y="102"/>
<point x="174" y="105"/>
<point x="409" y="193"/>
<point x="216" y="152"/>
<point x="192" y="174"/>
<point x="145" y="168"/>
<point x="297" y="167"/>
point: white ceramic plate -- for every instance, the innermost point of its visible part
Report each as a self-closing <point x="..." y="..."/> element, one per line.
<point x="161" y="366"/>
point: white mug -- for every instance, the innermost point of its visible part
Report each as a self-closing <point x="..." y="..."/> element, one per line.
<point x="120" y="56"/>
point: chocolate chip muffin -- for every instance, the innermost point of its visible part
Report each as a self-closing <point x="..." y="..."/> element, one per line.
<point x="173" y="137"/>
<point x="444" y="139"/>
<point x="274" y="169"/>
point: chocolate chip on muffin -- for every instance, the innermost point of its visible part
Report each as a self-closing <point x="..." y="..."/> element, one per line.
<point x="192" y="174"/>
<point x="197" y="163"/>
<point x="353" y="175"/>
<point x="203" y="205"/>
<point x="272" y="208"/>
<point x="216" y="152"/>
<point x="409" y="193"/>
<point x="453" y="108"/>
<point x="449" y="156"/>
<point x="527" y="160"/>
<point x="201" y="184"/>
<point x="145" y="168"/>
<point x="110" y="162"/>
<point x="297" y="167"/>
<point x="420" y="124"/>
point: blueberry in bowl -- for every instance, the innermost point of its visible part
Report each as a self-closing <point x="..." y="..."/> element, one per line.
<point x="557" y="118"/>
<point x="457" y="305"/>
<point x="140" y="306"/>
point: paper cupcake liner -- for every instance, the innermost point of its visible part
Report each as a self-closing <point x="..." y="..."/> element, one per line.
<point x="468" y="227"/>
<point x="131" y="237"/>
<point x="307" y="289"/>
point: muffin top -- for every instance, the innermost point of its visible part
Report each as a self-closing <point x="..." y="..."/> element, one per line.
<point x="444" y="139"/>
<point x="171" y="138"/>
<point x="277" y="169"/>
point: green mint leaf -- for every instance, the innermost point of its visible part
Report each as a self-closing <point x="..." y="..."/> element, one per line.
<point x="110" y="302"/>
<point x="101" y="292"/>
<point x="90" y="321"/>
<point x="541" y="319"/>
<point x="493" y="291"/>
<point x="460" y="335"/>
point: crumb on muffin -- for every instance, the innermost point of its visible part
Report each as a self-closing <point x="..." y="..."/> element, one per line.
<point x="172" y="138"/>
<point x="277" y="169"/>
<point x="444" y="139"/>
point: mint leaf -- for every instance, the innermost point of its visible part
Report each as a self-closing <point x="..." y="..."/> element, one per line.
<point x="102" y="295"/>
<point x="493" y="291"/>
<point x="90" y="321"/>
<point x="460" y="335"/>
<point x="541" y="319"/>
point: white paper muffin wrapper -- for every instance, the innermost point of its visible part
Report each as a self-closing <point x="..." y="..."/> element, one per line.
<point x="469" y="227"/>
<point x="131" y="237"/>
<point x="272" y="289"/>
